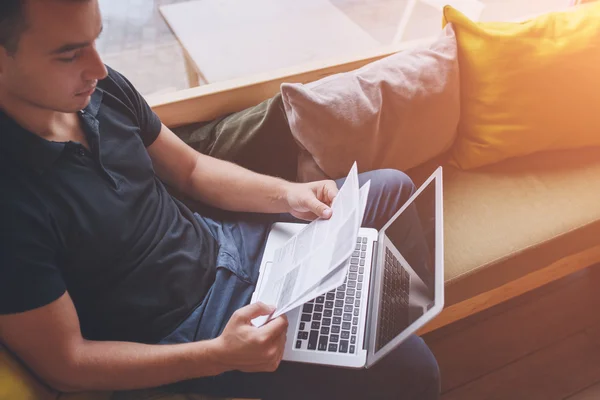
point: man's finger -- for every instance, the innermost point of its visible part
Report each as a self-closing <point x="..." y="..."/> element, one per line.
<point x="254" y="310"/>
<point x="331" y="190"/>
<point x="283" y="339"/>
<point x="318" y="208"/>
<point x="276" y="327"/>
<point x="281" y="349"/>
<point x="306" y="216"/>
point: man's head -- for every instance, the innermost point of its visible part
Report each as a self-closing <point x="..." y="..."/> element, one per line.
<point x="48" y="57"/>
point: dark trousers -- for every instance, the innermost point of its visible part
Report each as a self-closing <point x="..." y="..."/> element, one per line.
<point x="409" y="372"/>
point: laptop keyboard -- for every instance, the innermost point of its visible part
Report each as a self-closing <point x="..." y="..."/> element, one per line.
<point x="330" y="322"/>
<point x="393" y="315"/>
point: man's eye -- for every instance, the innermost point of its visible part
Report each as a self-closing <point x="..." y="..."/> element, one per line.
<point x="70" y="59"/>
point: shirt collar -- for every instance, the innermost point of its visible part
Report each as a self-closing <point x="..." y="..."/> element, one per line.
<point x="30" y="149"/>
<point x="95" y="101"/>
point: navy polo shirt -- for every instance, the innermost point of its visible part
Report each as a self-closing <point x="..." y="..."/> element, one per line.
<point x="100" y="224"/>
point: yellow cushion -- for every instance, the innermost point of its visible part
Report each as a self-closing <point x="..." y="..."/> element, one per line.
<point x="527" y="87"/>
<point x="16" y="382"/>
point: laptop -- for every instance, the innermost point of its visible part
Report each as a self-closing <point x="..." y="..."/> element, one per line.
<point x="394" y="285"/>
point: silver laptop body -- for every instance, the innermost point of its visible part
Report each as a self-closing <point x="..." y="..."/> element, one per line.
<point x="394" y="286"/>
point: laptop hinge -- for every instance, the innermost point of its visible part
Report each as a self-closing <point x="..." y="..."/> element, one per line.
<point x="369" y="302"/>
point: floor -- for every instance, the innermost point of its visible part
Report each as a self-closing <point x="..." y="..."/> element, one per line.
<point x="544" y="345"/>
<point x="137" y="42"/>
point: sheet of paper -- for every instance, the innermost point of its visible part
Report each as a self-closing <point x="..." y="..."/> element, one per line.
<point x="313" y="256"/>
<point x="337" y="275"/>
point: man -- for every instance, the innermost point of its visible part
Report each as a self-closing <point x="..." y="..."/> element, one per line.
<point x="109" y="283"/>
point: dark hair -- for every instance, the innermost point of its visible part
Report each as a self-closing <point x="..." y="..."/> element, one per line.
<point x="13" y="23"/>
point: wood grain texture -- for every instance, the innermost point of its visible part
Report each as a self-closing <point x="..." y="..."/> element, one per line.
<point x="552" y="373"/>
<point x="554" y="271"/>
<point x="488" y="344"/>
<point x="542" y="345"/>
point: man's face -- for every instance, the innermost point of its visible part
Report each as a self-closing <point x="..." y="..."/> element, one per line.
<point x="56" y="65"/>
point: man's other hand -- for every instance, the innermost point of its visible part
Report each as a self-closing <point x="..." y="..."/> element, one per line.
<point x="311" y="200"/>
<point x="244" y="347"/>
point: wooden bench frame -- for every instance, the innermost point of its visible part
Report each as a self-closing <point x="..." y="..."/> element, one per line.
<point x="208" y="102"/>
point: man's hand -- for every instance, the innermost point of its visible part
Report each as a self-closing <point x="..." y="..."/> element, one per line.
<point x="244" y="347"/>
<point x="311" y="200"/>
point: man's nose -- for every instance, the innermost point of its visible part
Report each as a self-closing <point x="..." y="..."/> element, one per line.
<point x="95" y="69"/>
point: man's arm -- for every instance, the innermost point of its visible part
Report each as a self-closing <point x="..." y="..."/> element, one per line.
<point x="227" y="186"/>
<point x="49" y="341"/>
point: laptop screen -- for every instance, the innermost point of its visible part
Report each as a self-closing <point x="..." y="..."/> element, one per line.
<point x="413" y="233"/>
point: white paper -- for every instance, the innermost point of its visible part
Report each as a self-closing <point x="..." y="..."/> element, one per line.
<point x="336" y="277"/>
<point x="316" y="259"/>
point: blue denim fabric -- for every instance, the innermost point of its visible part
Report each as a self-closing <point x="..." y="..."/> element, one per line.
<point x="410" y="372"/>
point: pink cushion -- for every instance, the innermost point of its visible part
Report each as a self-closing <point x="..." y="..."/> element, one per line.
<point x="397" y="112"/>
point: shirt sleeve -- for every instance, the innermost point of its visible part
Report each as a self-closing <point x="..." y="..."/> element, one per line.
<point x="29" y="274"/>
<point x="149" y="123"/>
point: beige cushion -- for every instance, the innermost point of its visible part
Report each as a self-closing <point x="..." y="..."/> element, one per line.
<point x="508" y="219"/>
<point x="397" y="112"/>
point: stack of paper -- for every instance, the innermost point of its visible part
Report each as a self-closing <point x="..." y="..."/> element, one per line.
<point x="315" y="260"/>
